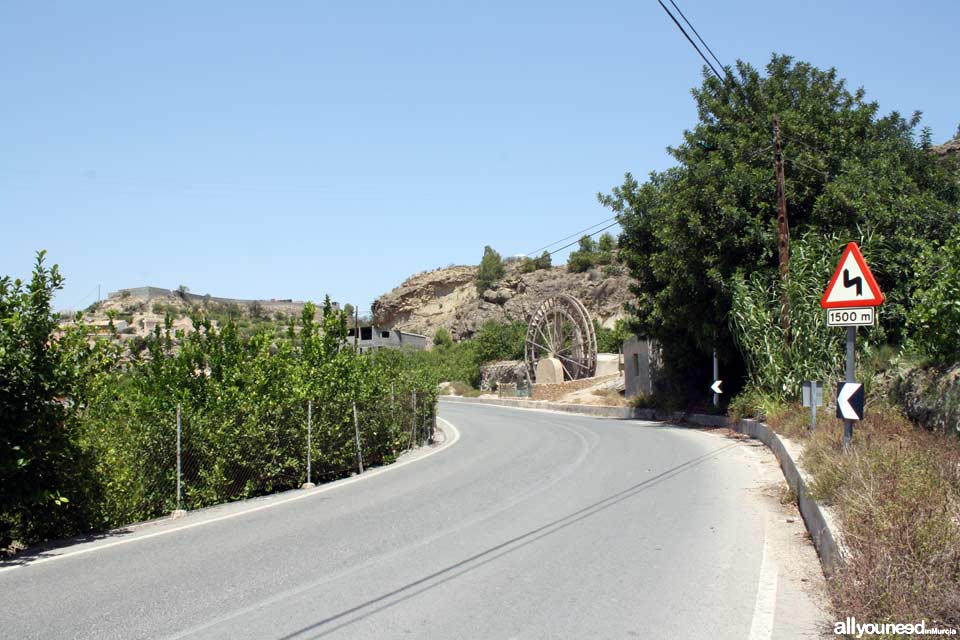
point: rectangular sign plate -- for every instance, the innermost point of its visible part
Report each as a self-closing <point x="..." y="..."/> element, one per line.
<point x="855" y="317"/>
<point x="812" y="393"/>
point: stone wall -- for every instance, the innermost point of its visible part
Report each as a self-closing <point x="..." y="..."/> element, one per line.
<point x="556" y="391"/>
<point x="503" y="372"/>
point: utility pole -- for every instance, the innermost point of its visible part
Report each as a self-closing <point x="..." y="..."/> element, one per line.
<point x="356" y="328"/>
<point x="783" y="230"/>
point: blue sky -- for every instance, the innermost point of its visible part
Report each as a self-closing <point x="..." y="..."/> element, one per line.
<point x="255" y="149"/>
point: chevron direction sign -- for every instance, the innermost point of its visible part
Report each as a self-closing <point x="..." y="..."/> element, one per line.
<point x="850" y="401"/>
<point x="852" y="284"/>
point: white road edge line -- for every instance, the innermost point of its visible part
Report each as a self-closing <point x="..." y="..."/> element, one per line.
<point x="308" y="493"/>
<point x="761" y="628"/>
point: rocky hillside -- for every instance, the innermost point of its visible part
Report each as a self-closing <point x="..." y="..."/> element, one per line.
<point x="136" y="314"/>
<point x="448" y="298"/>
<point x="950" y="149"/>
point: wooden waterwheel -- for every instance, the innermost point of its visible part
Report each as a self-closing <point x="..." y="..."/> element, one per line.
<point x="562" y="328"/>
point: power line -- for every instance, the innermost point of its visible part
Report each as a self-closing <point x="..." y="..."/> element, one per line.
<point x="690" y="40"/>
<point x="578" y="233"/>
<point x="694" y="29"/>
<point x="89" y="294"/>
<point x="578" y="240"/>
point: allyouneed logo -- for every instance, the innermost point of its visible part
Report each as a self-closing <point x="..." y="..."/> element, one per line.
<point x="851" y="627"/>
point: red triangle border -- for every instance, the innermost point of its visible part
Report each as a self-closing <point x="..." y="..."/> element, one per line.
<point x="871" y="282"/>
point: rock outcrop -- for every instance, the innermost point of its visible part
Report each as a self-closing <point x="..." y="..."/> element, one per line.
<point x="929" y="396"/>
<point x="950" y="149"/>
<point x="448" y="298"/>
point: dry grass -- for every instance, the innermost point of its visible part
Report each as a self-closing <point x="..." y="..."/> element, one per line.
<point x="610" y="397"/>
<point x="897" y="495"/>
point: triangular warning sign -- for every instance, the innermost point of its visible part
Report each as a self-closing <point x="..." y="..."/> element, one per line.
<point x="852" y="284"/>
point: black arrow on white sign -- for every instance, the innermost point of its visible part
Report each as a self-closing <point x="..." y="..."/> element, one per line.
<point x="850" y="401"/>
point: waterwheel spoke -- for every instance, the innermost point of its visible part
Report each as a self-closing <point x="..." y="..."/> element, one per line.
<point x="546" y="339"/>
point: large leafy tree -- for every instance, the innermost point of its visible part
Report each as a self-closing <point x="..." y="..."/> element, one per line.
<point x="689" y="230"/>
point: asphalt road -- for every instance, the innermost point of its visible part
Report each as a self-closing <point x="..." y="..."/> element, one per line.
<point x="528" y="525"/>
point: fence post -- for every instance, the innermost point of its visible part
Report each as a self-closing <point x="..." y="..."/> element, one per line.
<point x="356" y="430"/>
<point x="309" y="483"/>
<point x="424" y="439"/>
<point x="413" y="426"/>
<point x="178" y="512"/>
<point x="432" y="422"/>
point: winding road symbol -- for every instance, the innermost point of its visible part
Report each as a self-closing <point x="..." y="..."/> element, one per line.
<point x="849" y="282"/>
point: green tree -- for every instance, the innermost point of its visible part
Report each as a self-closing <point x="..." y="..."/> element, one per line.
<point x="606" y="249"/>
<point x="543" y="261"/>
<point x="934" y="322"/>
<point x="584" y="257"/>
<point x="688" y="231"/>
<point x="500" y="341"/>
<point x="490" y="271"/>
<point x="611" y="340"/>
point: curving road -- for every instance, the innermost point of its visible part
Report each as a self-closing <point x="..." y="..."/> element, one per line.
<point x="529" y="525"/>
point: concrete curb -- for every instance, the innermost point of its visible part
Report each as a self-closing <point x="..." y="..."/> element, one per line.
<point x="820" y="523"/>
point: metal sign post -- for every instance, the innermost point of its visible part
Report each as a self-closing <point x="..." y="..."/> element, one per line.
<point x="812" y="395"/>
<point x="716" y="376"/>
<point x="850" y="300"/>
<point x="178" y="460"/>
<point x="851" y="370"/>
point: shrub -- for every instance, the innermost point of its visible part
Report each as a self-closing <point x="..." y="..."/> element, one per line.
<point x="490" y="271"/>
<point x="442" y="338"/>
<point x="45" y="474"/>
<point x="612" y="270"/>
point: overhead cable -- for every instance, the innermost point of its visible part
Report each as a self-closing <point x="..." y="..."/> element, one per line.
<point x="690" y="40"/>
<point x="577" y="234"/>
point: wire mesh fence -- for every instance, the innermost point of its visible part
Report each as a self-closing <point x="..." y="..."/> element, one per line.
<point x="196" y="461"/>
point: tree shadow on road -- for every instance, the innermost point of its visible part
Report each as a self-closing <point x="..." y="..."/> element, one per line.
<point x="45" y="550"/>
